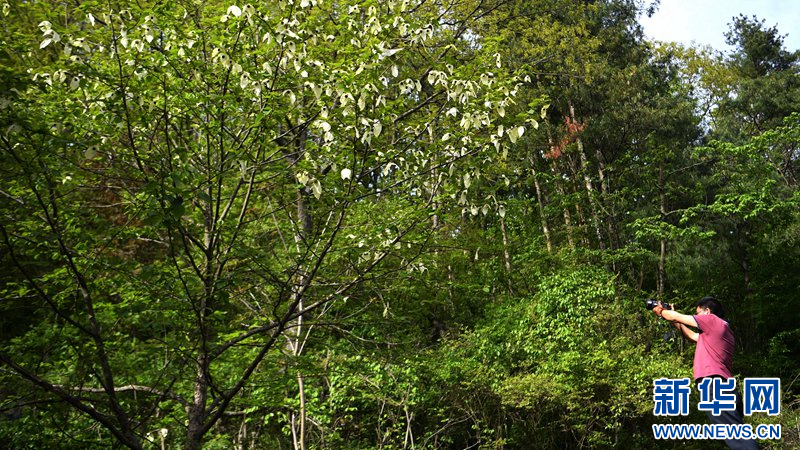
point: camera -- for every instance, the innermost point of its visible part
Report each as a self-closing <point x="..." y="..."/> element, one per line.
<point x="651" y="303"/>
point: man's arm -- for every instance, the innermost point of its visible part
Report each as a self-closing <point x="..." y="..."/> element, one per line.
<point x="688" y="332"/>
<point x="680" y="320"/>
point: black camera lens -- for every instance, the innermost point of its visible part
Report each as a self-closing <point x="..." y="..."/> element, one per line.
<point x="651" y="303"/>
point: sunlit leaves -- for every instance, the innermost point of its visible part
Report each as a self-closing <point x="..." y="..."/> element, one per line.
<point x="514" y="133"/>
<point x="49" y="34"/>
<point x="235" y="11"/>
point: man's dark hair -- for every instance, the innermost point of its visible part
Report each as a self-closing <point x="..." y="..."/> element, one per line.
<point x="713" y="305"/>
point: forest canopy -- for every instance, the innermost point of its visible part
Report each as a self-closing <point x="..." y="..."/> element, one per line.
<point x="383" y="224"/>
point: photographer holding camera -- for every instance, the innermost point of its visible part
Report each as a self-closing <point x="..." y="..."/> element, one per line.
<point x="713" y="356"/>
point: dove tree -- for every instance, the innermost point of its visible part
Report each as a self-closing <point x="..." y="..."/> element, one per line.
<point x="188" y="186"/>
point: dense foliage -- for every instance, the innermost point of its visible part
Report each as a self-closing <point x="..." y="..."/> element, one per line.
<point x="382" y="224"/>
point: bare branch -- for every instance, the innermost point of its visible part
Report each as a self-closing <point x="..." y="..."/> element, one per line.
<point x="130" y="388"/>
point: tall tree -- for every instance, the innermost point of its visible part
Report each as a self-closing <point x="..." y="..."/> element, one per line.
<point x="767" y="84"/>
<point x="191" y="185"/>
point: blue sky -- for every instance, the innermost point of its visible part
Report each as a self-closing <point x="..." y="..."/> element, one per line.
<point x="705" y="21"/>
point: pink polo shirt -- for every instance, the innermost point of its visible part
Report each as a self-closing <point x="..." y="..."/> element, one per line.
<point x="715" y="346"/>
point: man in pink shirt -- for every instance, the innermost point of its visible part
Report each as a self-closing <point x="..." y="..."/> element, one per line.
<point x="713" y="356"/>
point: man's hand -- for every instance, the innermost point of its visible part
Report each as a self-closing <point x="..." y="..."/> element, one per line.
<point x="657" y="310"/>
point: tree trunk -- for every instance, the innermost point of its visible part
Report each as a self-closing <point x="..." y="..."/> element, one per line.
<point x="540" y="204"/>
<point x="590" y="192"/>
<point x="197" y="409"/>
<point x="299" y="429"/>
<point x="506" y="254"/>
<point x="305" y="219"/>
<point x="662" y="258"/>
<point x="608" y="209"/>
<point x="566" y="213"/>
<point x="575" y="188"/>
